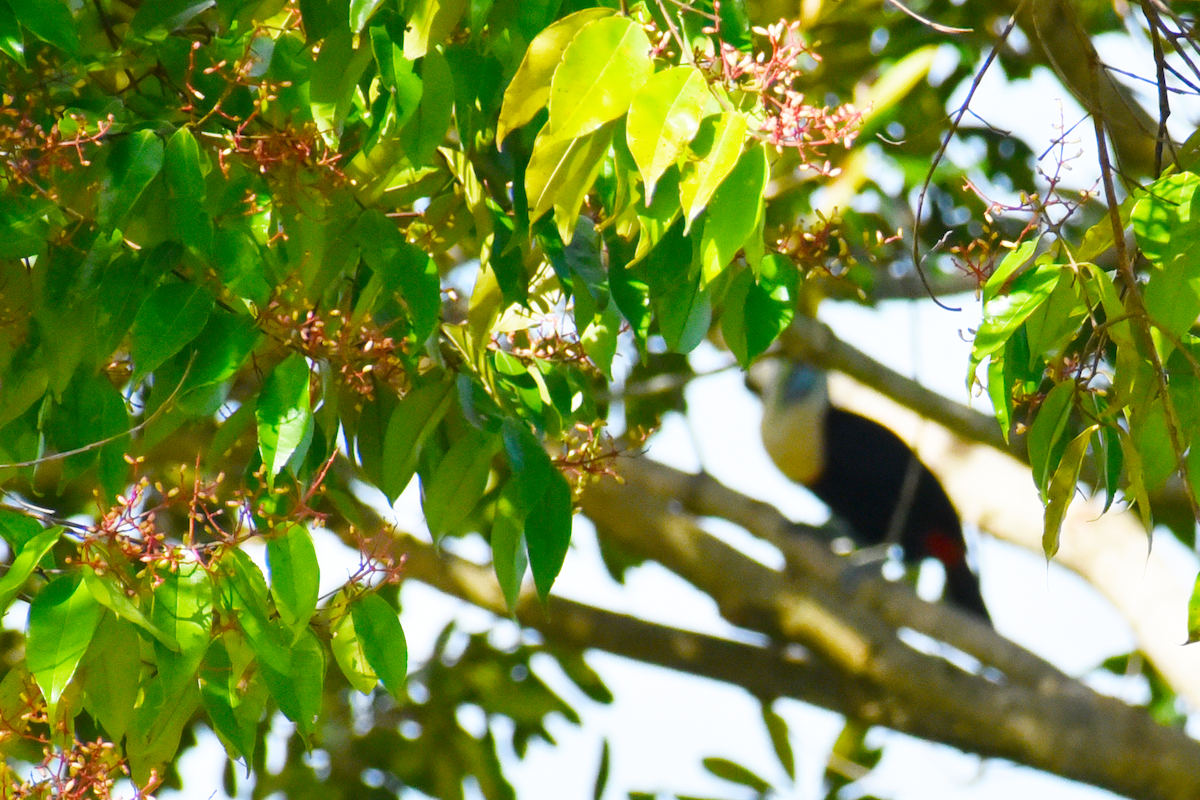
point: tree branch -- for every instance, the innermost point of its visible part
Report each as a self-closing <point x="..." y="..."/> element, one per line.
<point x="1049" y="723"/>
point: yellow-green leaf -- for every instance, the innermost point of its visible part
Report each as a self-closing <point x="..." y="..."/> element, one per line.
<point x="529" y="89"/>
<point x="734" y="212"/>
<point x="1062" y="489"/>
<point x="429" y="23"/>
<point x="602" y="69"/>
<point x="560" y="174"/>
<point x="717" y="146"/>
<point x="664" y="117"/>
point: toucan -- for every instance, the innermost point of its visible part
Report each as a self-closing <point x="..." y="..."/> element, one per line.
<point x="868" y="477"/>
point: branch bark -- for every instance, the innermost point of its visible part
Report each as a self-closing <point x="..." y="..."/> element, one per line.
<point x="1015" y="706"/>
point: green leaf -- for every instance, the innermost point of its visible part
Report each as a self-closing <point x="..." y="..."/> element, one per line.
<point x="1172" y="294"/>
<point x="154" y="735"/>
<point x="1045" y="435"/>
<point x="12" y="44"/>
<point x="531" y="467"/>
<point x="777" y="729"/>
<point x="112" y="674"/>
<point x="349" y="653"/>
<point x="62" y="619"/>
<point x="529" y="90"/>
<point x="754" y="316"/>
<point x="133" y="163"/>
<point x="1193" y="623"/>
<point x="664" y="117"/>
<point x="1004" y="314"/>
<point x="599" y="338"/>
<point x="401" y="267"/>
<point x="717" y="147"/>
<point x="185" y="182"/>
<point x="684" y="315"/>
<point x="548" y="533"/>
<point x="509" y="554"/>
<point x="736" y="773"/>
<point x="243" y="593"/>
<point x="1055" y="322"/>
<point x="171" y="317"/>
<point x="166" y="16"/>
<point x="50" y="21"/>
<point x="415" y="418"/>
<point x="360" y="13"/>
<point x="298" y="691"/>
<point x="378" y="628"/>
<point x="734" y="212"/>
<point x="284" y="414"/>
<point x="602" y="68"/>
<point x="1062" y="489"/>
<point x="427" y="128"/>
<point x="182" y="608"/>
<point x="429" y="23"/>
<point x="560" y="173"/>
<point x="1014" y="261"/>
<point x="110" y="594"/>
<point x="1166" y="204"/>
<point x="295" y="575"/>
<point x="234" y="705"/>
<point x="459" y="481"/>
<point x="28" y="555"/>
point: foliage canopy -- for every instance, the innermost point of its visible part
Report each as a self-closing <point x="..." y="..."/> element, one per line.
<point x="264" y="259"/>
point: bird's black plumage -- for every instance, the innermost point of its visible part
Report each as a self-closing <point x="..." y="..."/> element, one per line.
<point x="860" y="469"/>
<point x="863" y="481"/>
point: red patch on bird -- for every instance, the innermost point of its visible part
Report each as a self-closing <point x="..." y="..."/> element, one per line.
<point x="944" y="548"/>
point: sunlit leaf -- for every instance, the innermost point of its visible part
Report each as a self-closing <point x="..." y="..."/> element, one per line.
<point x="717" y="147"/>
<point x="663" y="117"/>
<point x="182" y="608"/>
<point x="284" y="414"/>
<point x="28" y="554"/>
<point x="1062" y="487"/>
<point x="349" y="652"/>
<point x="529" y="90"/>
<point x="602" y="68"/>
<point x="62" y="618"/>
<point x="429" y="23"/>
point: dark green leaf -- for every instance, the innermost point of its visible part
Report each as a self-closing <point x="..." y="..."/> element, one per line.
<point x="133" y="163"/>
<point x="49" y="20"/>
<point x="415" y="418"/>
<point x="378" y="629"/>
<point x="548" y="533"/>
<point x="170" y="318"/>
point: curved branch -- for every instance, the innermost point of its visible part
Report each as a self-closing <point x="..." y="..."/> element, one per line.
<point x="1052" y="724"/>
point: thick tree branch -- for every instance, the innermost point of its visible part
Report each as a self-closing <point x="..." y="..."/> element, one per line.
<point x="1053" y="724"/>
<point x="1110" y="551"/>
